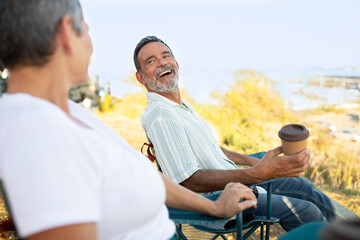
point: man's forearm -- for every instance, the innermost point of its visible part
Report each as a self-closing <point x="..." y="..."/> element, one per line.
<point x="214" y="180"/>
<point x="240" y="158"/>
<point x="271" y="166"/>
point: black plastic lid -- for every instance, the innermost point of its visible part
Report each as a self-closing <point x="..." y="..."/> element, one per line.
<point x="293" y="132"/>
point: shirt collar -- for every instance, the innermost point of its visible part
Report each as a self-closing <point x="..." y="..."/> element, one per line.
<point x="151" y="96"/>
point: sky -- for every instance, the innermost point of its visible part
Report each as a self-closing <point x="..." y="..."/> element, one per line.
<point x="211" y="39"/>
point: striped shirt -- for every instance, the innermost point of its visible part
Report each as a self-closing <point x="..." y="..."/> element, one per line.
<point x="183" y="141"/>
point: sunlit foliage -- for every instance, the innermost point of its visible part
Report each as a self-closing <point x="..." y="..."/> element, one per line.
<point x="249" y="114"/>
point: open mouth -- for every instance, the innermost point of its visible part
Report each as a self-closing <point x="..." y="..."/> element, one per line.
<point x="165" y="73"/>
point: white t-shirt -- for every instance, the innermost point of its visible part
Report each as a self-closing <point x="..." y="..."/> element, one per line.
<point x="57" y="173"/>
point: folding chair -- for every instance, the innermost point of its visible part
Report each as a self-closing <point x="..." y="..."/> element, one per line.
<point x="199" y="220"/>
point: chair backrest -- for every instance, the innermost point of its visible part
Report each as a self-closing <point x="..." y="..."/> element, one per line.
<point x="149" y="151"/>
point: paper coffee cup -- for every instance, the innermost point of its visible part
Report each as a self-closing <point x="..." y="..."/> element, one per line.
<point x="293" y="138"/>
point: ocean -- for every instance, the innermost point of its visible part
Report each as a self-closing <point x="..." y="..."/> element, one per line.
<point x="292" y="85"/>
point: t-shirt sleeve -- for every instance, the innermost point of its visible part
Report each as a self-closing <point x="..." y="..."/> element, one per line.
<point x="172" y="148"/>
<point x="49" y="178"/>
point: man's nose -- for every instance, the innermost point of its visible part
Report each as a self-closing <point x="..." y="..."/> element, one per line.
<point x="162" y="62"/>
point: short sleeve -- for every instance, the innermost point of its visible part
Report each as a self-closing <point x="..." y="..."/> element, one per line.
<point x="50" y="176"/>
<point x="172" y="148"/>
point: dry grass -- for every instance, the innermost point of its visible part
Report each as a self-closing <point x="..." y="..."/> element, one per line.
<point x="193" y="234"/>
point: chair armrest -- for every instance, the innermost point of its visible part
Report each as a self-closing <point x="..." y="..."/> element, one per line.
<point x="258" y="155"/>
<point x="203" y="222"/>
<point x="263" y="182"/>
<point x="189" y="217"/>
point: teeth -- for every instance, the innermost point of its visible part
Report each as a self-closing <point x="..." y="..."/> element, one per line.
<point x="163" y="73"/>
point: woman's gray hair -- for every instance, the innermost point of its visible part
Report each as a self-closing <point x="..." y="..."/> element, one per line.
<point x="28" y="29"/>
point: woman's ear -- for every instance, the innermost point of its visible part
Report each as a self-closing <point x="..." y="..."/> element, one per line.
<point x="66" y="33"/>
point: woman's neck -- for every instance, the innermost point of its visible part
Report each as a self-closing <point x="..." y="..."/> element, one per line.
<point x="47" y="83"/>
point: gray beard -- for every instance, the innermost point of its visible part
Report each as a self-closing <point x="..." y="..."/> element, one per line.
<point x="170" y="85"/>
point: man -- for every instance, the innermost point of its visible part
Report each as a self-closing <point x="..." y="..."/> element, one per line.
<point x="188" y="153"/>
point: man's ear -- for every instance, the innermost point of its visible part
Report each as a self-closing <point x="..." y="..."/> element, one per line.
<point x="66" y="33"/>
<point x="140" y="78"/>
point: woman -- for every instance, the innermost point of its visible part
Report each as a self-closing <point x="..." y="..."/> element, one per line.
<point x="67" y="175"/>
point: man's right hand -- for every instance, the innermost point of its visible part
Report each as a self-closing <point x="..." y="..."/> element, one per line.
<point x="274" y="166"/>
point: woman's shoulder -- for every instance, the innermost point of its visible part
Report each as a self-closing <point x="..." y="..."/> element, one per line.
<point x="25" y="119"/>
<point x="24" y="109"/>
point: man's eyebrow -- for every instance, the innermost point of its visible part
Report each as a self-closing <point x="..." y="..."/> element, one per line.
<point x="148" y="58"/>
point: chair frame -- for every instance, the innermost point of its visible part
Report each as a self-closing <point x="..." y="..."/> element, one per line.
<point x="193" y="218"/>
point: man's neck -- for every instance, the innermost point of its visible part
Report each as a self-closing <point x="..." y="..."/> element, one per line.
<point x="173" y="96"/>
<point x="48" y="83"/>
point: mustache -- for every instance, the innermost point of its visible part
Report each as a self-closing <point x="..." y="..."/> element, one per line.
<point x="163" y="68"/>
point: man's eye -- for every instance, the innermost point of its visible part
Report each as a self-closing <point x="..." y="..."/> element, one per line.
<point x="149" y="62"/>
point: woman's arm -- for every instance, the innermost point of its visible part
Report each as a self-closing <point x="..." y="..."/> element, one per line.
<point x="227" y="205"/>
<point x="83" y="231"/>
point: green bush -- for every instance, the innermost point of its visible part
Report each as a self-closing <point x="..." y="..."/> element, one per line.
<point x="246" y="112"/>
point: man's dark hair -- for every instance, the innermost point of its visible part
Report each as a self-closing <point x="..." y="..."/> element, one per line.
<point x="142" y="43"/>
<point x="28" y="29"/>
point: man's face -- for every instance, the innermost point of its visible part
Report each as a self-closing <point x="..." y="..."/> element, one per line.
<point x="159" y="69"/>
